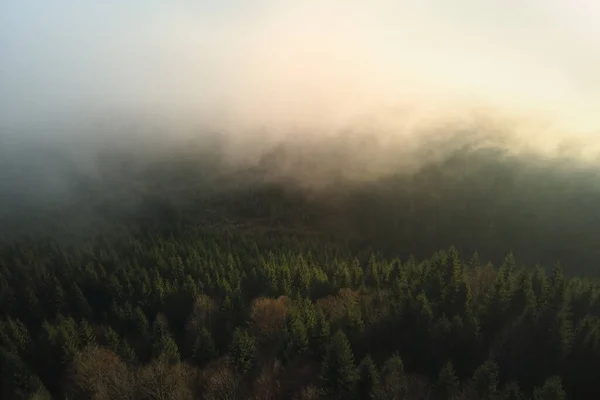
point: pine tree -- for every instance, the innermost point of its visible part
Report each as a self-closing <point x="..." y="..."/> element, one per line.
<point x="552" y="390"/>
<point x="58" y="300"/>
<point x="321" y="335"/>
<point x="474" y="261"/>
<point x="119" y="346"/>
<point x="524" y="296"/>
<point x="163" y="345"/>
<point x="373" y="276"/>
<point x="368" y="379"/>
<point x="242" y="351"/>
<point x="485" y="379"/>
<point x="393" y="379"/>
<point x="302" y="278"/>
<point x="140" y="322"/>
<point x="79" y="304"/>
<point x="338" y="371"/>
<point x="447" y="385"/>
<point x="14" y="336"/>
<point x="126" y="352"/>
<point x="86" y="334"/>
<point x="296" y="333"/>
<point x="67" y="338"/>
<point x="512" y="391"/>
<point x="17" y="381"/>
<point x="204" y="348"/>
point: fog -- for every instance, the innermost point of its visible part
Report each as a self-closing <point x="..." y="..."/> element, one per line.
<point x="286" y="65"/>
<point x="363" y="87"/>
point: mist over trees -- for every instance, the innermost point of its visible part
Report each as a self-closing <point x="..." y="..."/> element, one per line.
<point x="299" y="200"/>
<point x="155" y="273"/>
<point x="483" y="198"/>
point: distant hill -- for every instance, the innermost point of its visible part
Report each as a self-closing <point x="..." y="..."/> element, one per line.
<point x="483" y="199"/>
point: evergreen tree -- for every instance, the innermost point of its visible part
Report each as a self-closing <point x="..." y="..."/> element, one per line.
<point x="86" y="334"/>
<point x="393" y="379"/>
<point x="485" y="380"/>
<point x="321" y="335"/>
<point x="17" y="381"/>
<point x="368" y="379"/>
<point x="551" y="390"/>
<point x="448" y="385"/>
<point x="338" y="371"/>
<point x="79" y="304"/>
<point x="112" y="340"/>
<point x="126" y="353"/>
<point x="201" y="282"/>
<point x="512" y="391"/>
<point x="242" y="351"/>
<point x="296" y="334"/>
<point x="14" y="336"/>
<point x="204" y="348"/>
<point x="163" y="345"/>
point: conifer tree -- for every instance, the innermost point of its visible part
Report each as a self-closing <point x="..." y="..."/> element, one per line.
<point x="393" y="379"/>
<point x="368" y="379"/>
<point x="86" y="334"/>
<point x="485" y="380"/>
<point x="242" y="351"/>
<point x="338" y="371"/>
<point x="163" y="345"/>
<point x="204" y="348"/>
<point x="448" y="385"/>
<point x="551" y="390"/>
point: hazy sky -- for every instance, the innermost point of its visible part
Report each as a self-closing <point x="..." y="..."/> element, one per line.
<point x="235" y="63"/>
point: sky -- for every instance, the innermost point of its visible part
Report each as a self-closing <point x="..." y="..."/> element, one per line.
<point x="283" y="64"/>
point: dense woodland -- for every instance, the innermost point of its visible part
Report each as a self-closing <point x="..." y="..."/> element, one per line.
<point x="230" y="289"/>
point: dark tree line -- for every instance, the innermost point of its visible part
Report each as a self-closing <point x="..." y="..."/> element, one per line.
<point x="477" y="197"/>
<point x="191" y="312"/>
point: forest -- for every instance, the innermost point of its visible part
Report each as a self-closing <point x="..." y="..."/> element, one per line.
<point x="182" y="277"/>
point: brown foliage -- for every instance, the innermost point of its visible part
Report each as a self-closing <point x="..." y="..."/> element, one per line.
<point x="481" y="281"/>
<point x="98" y="373"/>
<point x="267" y="318"/>
<point x="161" y="381"/>
<point x="219" y="382"/>
<point x="336" y="307"/>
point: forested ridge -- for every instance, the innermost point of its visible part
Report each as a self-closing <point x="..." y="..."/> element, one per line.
<point x="300" y="200"/>
<point x="232" y="289"/>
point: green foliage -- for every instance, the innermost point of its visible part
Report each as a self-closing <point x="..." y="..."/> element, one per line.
<point x="551" y="390"/>
<point x="368" y="379"/>
<point x="160" y="293"/>
<point x="79" y="304"/>
<point x="448" y="384"/>
<point x="86" y="334"/>
<point x="338" y="371"/>
<point x="485" y="380"/>
<point x="204" y="348"/>
<point x="242" y="351"/>
<point x="296" y="334"/>
<point x="14" y="336"/>
<point x="321" y="335"/>
<point x="393" y="379"/>
<point x="16" y="379"/>
<point x="163" y="345"/>
<point x="112" y="340"/>
<point x="512" y="391"/>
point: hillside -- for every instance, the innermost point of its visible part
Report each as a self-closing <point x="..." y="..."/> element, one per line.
<point x="180" y="275"/>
